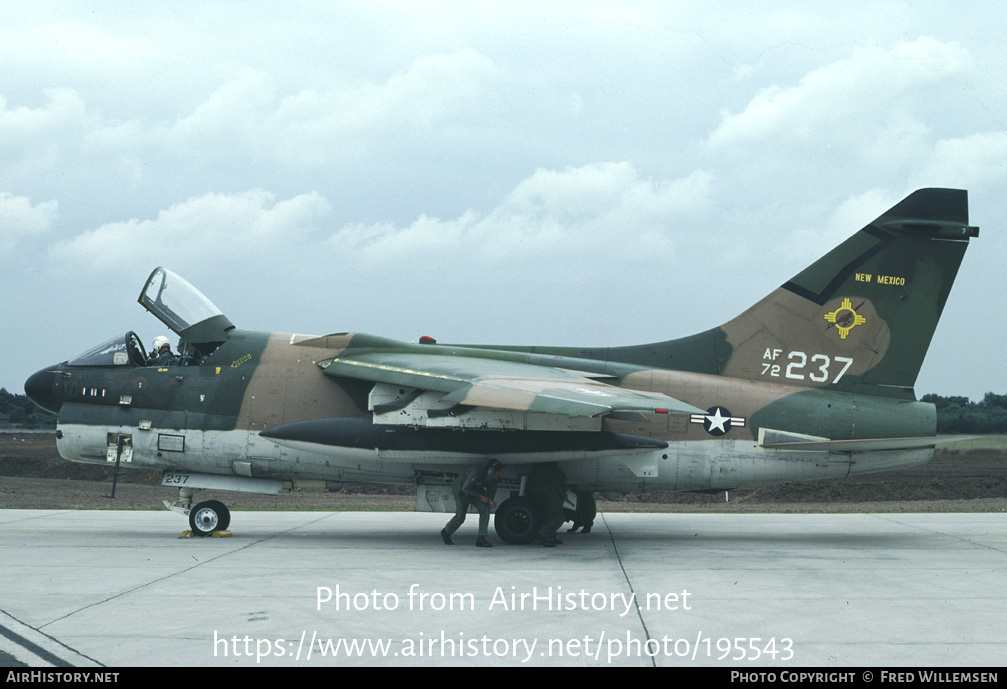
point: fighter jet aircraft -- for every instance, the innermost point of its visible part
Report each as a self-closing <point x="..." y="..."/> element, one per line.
<point x="813" y="381"/>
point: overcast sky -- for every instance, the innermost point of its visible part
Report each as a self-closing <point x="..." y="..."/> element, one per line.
<point x="580" y="173"/>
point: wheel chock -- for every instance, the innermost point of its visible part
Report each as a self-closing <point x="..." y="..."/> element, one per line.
<point x="223" y="533"/>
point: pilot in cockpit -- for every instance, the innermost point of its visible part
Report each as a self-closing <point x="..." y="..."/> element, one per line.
<point x="161" y="355"/>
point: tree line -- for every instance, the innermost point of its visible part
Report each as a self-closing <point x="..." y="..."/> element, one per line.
<point x="955" y="414"/>
<point x="22" y="411"/>
<point x="961" y="415"/>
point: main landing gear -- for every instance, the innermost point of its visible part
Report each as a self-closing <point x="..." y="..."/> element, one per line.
<point x="205" y="518"/>
<point x="517" y="520"/>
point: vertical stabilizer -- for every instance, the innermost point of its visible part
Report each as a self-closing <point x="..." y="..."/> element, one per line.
<point x="859" y="318"/>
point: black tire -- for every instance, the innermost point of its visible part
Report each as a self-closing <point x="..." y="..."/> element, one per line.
<point x="225" y="517"/>
<point x="209" y="516"/>
<point x="516" y="521"/>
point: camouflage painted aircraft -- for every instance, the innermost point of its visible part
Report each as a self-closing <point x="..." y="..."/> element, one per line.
<point x="814" y="381"/>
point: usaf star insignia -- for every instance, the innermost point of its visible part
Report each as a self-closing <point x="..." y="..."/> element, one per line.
<point x="717" y="420"/>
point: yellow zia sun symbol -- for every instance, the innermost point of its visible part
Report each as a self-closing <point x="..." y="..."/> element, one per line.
<point x="845" y="318"/>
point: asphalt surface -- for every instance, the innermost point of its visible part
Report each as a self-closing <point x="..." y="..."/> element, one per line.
<point x="297" y="589"/>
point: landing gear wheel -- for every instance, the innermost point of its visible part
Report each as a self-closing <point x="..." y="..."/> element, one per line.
<point x="209" y="516"/>
<point x="516" y="521"/>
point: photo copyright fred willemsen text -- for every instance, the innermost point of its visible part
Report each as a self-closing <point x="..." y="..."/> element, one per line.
<point x="603" y="645"/>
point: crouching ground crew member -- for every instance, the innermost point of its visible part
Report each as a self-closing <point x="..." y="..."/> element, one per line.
<point x="583" y="516"/>
<point x="547" y="489"/>
<point x="474" y="487"/>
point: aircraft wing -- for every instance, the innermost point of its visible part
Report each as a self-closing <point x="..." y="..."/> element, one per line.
<point x="473" y="381"/>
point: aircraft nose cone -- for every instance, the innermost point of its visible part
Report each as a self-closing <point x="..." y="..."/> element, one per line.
<point x="39" y="388"/>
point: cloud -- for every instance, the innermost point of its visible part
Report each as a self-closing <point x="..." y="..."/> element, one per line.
<point x="64" y="108"/>
<point x="249" y="128"/>
<point x="595" y="228"/>
<point x="808" y="242"/>
<point x="208" y="229"/>
<point x="313" y="126"/>
<point x="34" y="141"/>
<point x="975" y="162"/>
<point x="856" y="93"/>
<point x="603" y="210"/>
<point x="18" y="217"/>
<point x="46" y="146"/>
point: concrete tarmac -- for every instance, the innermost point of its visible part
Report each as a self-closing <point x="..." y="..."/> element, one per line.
<point x="101" y="588"/>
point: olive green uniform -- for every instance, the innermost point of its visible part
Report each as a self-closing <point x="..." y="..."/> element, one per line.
<point x="467" y="489"/>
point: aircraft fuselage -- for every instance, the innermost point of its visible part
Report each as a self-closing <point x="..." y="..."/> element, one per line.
<point x="208" y="419"/>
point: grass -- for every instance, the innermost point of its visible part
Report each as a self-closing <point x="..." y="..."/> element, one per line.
<point x="983" y="442"/>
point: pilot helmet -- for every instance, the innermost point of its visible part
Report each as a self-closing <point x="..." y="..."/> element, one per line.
<point x="161" y="341"/>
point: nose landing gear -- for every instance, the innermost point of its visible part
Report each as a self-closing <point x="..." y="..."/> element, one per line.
<point x="205" y="518"/>
<point x="209" y="516"/>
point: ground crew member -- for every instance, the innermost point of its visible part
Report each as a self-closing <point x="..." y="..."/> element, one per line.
<point x="583" y="516"/>
<point x="474" y="487"/>
<point x="547" y="489"/>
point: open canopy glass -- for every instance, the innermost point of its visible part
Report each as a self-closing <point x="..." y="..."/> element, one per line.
<point x="185" y="310"/>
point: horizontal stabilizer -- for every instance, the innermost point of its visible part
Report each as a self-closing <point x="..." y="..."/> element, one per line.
<point x="866" y="445"/>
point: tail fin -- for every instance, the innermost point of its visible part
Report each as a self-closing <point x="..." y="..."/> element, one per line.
<point x="858" y="319"/>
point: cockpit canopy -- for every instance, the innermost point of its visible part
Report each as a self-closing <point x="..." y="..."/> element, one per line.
<point x="185" y="310"/>
<point x="119" y="351"/>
